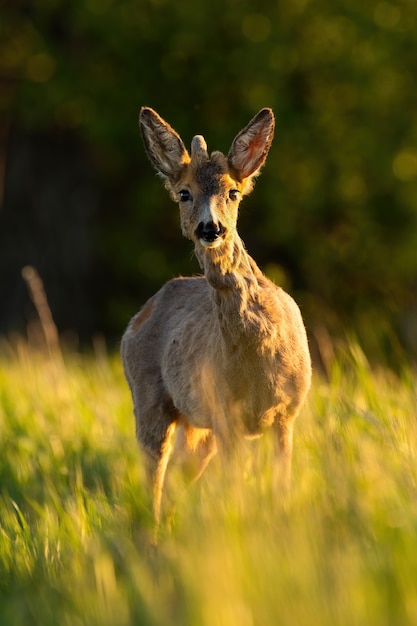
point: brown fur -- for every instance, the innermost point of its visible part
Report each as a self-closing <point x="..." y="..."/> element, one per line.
<point x="219" y="356"/>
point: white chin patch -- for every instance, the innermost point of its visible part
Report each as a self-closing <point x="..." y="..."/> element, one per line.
<point x="212" y="244"/>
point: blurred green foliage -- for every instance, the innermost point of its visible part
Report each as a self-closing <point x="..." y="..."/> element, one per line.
<point x="334" y="216"/>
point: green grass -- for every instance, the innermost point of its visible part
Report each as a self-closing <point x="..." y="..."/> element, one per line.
<point x="75" y="521"/>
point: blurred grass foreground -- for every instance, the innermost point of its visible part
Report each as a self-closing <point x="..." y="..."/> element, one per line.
<point x="76" y="526"/>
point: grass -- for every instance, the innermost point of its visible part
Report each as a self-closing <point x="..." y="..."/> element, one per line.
<point x="75" y="521"/>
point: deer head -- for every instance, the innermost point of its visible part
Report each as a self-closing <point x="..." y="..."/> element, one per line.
<point x="207" y="187"/>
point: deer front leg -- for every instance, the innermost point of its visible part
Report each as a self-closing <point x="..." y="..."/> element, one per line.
<point x="206" y="451"/>
<point x="196" y="447"/>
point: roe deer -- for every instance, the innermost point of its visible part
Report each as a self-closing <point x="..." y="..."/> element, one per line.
<point x="224" y="354"/>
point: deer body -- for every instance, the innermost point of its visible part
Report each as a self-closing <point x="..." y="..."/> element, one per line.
<point x="224" y="355"/>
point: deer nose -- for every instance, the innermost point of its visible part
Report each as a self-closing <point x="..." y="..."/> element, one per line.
<point x="209" y="231"/>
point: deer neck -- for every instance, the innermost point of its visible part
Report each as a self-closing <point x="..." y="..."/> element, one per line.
<point x="237" y="289"/>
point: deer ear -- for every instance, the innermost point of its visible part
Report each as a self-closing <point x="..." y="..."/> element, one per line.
<point x="251" y="146"/>
<point x="163" y="145"/>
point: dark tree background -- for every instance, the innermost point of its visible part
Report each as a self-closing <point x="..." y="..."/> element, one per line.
<point x="334" y="216"/>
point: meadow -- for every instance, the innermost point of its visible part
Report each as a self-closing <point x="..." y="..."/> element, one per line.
<point x="76" y="524"/>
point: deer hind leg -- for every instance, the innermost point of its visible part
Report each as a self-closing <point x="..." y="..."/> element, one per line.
<point x="155" y="437"/>
<point x="156" y="470"/>
<point x="284" y="438"/>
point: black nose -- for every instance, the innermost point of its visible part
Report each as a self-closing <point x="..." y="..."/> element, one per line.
<point x="209" y="232"/>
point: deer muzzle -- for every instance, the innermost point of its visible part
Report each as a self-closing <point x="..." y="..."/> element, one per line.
<point x="210" y="234"/>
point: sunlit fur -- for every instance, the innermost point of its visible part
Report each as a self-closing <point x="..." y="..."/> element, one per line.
<point x="221" y="356"/>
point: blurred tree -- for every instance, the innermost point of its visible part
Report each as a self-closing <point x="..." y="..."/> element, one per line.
<point x="335" y="215"/>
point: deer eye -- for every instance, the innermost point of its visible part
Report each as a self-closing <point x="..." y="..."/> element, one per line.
<point x="184" y="195"/>
<point x="233" y="194"/>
